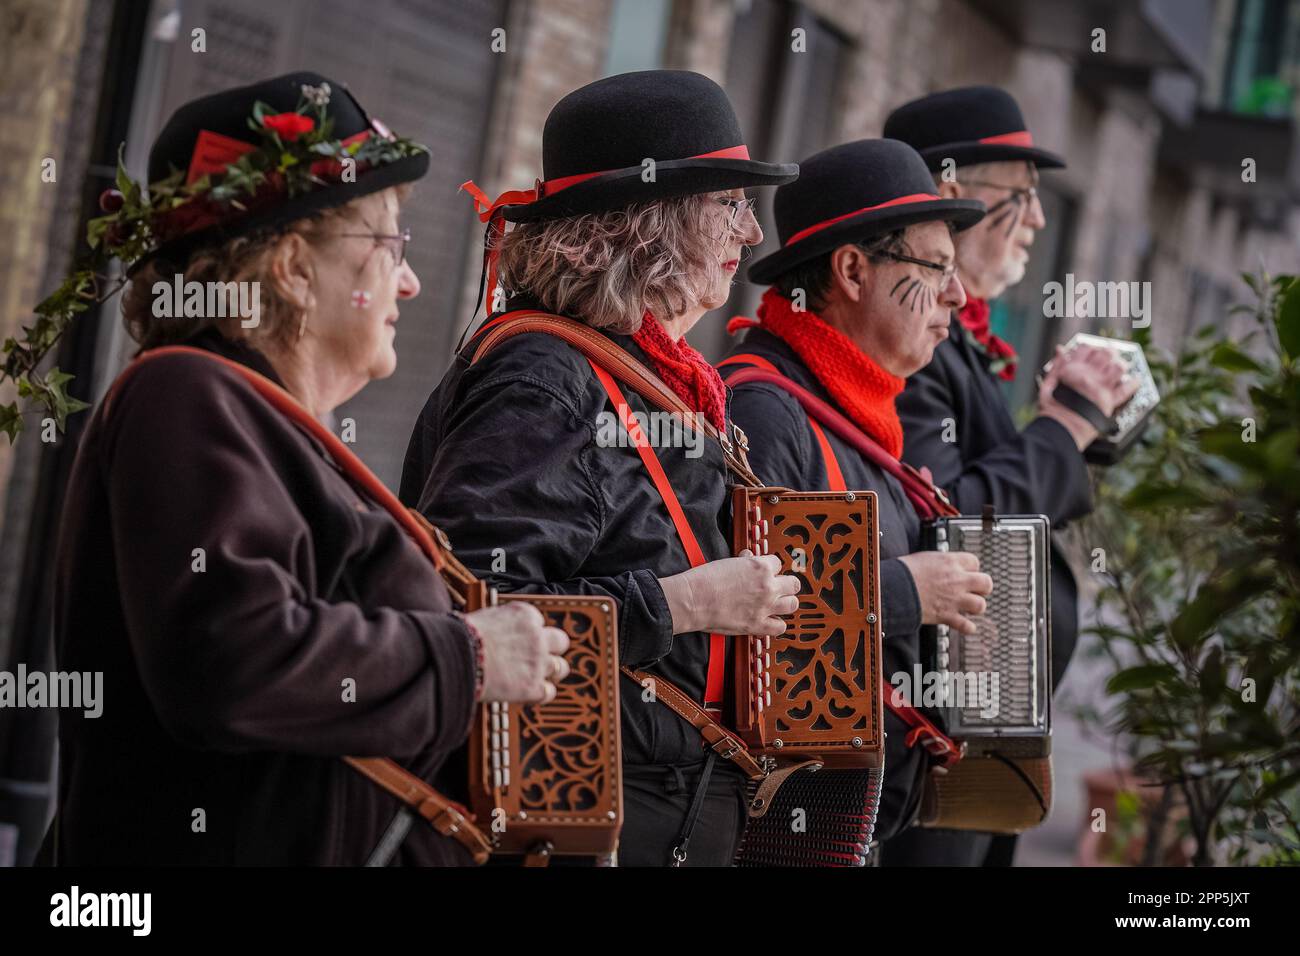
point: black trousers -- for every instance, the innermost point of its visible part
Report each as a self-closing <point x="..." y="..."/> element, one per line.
<point x="656" y="800"/>
<point x="920" y="846"/>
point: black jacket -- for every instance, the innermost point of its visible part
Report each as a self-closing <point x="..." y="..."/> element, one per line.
<point x="505" y="459"/>
<point x="783" y="451"/>
<point x="1038" y="470"/>
<point x="224" y="682"/>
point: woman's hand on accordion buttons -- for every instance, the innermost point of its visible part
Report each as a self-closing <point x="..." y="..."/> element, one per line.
<point x="746" y="594"/>
<point x="522" y="658"/>
<point x="951" y="587"/>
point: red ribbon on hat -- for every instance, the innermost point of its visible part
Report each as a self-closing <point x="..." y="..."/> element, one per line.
<point x="827" y="223"/>
<point x="1018" y="138"/>
<point x="492" y="211"/>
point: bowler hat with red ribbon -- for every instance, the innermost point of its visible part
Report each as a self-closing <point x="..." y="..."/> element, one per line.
<point x="972" y="124"/>
<point x="633" y="137"/>
<point x="851" y="193"/>
<point x="653" y="134"/>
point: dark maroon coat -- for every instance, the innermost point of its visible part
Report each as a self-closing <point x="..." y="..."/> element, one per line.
<point x="224" y="688"/>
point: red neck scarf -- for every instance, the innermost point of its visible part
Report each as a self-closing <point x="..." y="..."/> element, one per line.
<point x="862" y="389"/>
<point x="975" y="318"/>
<point x="684" y="370"/>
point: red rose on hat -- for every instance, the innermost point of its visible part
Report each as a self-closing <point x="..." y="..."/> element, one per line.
<point x="289" y="125"/>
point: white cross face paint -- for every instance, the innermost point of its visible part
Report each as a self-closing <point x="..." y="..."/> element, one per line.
<point x="360" y="299"/>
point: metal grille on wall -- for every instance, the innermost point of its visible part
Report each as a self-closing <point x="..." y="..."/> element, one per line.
<point x="425" y="67"/>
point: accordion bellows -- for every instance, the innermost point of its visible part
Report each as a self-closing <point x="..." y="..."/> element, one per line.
<point x="991" y="795"/>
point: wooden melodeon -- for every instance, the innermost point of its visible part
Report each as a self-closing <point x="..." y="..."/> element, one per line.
<point x="814" y="692"/>
<point x="996" y="683"/>
<point x="546" y="779"/>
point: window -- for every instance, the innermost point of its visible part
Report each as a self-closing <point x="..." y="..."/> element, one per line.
<point x="637" y="32"/>
<point x="786" y="102"/>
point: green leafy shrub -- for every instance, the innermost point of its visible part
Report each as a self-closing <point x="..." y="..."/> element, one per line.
<point x="1199" y="612"/>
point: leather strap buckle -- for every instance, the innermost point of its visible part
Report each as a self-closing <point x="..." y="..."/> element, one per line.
<point x="733" y="748"/>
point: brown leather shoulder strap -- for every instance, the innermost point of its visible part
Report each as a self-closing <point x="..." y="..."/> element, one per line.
<point x="716" y="737"/>
<point x="626" y="368"/>
<point x="442" y="814"/>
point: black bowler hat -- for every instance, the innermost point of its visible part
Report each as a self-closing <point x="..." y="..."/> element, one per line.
<point x="974" y="124"/>
<point x="854" y="192"/>
<point x="207" y="134"/>
<point x="598" y="137"/>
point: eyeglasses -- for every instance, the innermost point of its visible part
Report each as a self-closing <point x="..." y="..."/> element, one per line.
<point x="395" y="244"/>
<point x="948" y="271"/>
<point x="738" y="206"/>
<point x="1019" y="193"/>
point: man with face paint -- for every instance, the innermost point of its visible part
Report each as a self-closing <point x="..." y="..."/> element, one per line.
<point x="860" y="294"/>
<point x="955" y="418"/>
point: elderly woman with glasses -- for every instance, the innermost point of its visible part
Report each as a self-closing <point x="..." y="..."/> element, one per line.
<point x="253" y="597"/>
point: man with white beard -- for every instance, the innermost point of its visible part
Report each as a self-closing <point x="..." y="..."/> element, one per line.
<point x="955" y="418"/>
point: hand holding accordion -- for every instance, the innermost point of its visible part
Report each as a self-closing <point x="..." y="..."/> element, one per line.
<point x="522" y="656"/>
<point x="1119" y="423"/>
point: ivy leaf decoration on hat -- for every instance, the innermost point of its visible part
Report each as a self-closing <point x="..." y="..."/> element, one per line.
<point x="296" y="154"/>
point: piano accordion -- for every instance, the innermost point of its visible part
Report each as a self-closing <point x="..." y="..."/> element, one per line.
<point x="1003" y="783"/>
<point x="546" y="779"/>
<point x="814" y="692"/>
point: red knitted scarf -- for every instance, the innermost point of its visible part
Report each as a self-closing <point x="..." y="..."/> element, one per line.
<point x="684" y="370"/>
<point x="862" y="389"/>
<point x="975" y="317"/>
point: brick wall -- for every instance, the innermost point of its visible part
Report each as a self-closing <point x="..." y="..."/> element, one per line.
<point x="51" y="60"/>
<point x="552" y="48"/>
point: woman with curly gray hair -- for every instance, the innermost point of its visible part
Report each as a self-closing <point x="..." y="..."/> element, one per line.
<point x="636" y="232"/>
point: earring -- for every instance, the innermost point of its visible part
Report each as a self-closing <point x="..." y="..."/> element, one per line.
<point x="302" y="324"/>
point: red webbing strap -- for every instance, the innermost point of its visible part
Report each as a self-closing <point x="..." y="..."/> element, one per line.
<point x="713" y="687"/>
<point x="834" y="477"/>
<point x="928" y="500"/>
<point x="939" y="744"/>
<point x="446" y="816"/>
<point x="624" y="368"/>
<point x="748" y="358"/>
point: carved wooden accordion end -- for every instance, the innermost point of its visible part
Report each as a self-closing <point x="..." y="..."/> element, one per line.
<point x="546" y="778"/>
<point x="994" y="686"/>
<point x="814" y="693"/>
